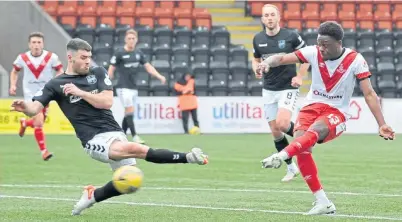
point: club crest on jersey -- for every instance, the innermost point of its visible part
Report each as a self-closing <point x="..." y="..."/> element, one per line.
<point x="281" y="44"/>
<point x="91" y="79"/>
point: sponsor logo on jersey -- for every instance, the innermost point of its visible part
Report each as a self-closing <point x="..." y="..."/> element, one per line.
<point x="263" y="45"/>
<point x="318" y="93"/>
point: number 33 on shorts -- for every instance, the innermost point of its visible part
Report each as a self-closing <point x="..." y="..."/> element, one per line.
<point x="337" y="122"/>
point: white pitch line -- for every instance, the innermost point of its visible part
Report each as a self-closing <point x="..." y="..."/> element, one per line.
<point x="203" y="207"/>
<point x="206" y="189"/>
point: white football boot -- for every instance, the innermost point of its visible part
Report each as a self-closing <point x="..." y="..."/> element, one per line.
<point x="138" y="139"/>
<point x="87" y="200"/>
<point x="273" y="161"/>
<point x="197" y="156"/>
<point x="292" y="172"/>
<point x="322" y="208"/>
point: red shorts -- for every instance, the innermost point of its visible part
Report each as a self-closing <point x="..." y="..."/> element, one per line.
<point x="315" y="112"/>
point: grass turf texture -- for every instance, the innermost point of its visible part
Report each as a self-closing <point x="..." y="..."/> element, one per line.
<point x="361" y="174"/>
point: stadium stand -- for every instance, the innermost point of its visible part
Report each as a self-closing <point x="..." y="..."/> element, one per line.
<point x="373" y="28"/>
<point x="183" y="35"/>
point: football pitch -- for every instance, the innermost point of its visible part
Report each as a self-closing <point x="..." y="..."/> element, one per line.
<point x="361" y="174"/>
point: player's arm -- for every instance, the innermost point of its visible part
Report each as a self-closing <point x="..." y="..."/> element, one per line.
<point x="17" y="66"/>
<point x="39" y="101"/>
<point x="115" y="60"/>
<point x="150" y="68"/>
<point x="256" y="60"/>
<point x="102" y="100"/>
<point x="372" y="99"/>
<point x="281" y="59"/>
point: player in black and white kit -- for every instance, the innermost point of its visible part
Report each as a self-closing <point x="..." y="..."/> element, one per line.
<point x="125" y="62"/>
<point x="281" y="84"/>
<point x="85" y="95"/>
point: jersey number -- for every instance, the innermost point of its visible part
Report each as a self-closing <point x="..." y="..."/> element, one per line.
<point x="333" y="120"/>
<point x="289" y="95"/>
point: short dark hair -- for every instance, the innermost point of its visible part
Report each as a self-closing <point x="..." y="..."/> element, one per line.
<point x="36" y="34"/>
<point x="332" y="29"/>
<point x="78" y="44"/>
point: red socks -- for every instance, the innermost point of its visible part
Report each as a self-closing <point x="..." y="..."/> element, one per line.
<point x="308" y="170"/>
<point x="40" y="138"/>
<point x="302" y="144"/>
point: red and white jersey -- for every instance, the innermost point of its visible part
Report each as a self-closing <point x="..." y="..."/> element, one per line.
<point x="37" y="70"/>
<point x="333" y="81"/>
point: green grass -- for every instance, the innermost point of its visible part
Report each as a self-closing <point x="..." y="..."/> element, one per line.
<point x="361" y="174"/>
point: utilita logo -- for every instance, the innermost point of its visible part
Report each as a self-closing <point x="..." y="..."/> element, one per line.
<point x="156" y="111"/>
<point x="237" y="111"/>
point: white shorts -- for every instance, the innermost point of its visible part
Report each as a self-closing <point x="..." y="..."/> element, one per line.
<point x="98" y="149"/>
<point x="127" y="97"/>
<point x="273" y="100"/>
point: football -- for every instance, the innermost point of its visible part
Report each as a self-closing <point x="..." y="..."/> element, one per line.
<point x="127" y="179"/>
<point x="194" y="131"/>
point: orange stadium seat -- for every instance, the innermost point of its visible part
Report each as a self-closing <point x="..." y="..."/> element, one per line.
<point x="384" y="25"/>
<point x="201" y="13"/>
<point x="66" y="11"/>
<point x="129" y="4"/>
<point x="185" y="22"/>
<point x="369" y="25"/>
<point x="203" y="23"/>
<point x="295" y="24"/>
<point x="397" y="12"/>
<point x="148" y="4"/>
<point x="329" y="11"/>
<point x="144" y="12"/>
<point x="89" y="3"/>
<point x="398" y="25"/>
<point x="88" y="20"/>
<point x="50" y="7"/>
<point x="365" y="12"/>
<point x="382" y="12"/>
<point x="292" y="11"/>
<point x="86" y="10"/>
<point x="183" y="13"/>
<point x="147" y="21"/>
<point x="256" y="7"/>
<point x="311" y="11"/>
<point x="347" y="12"/>
<point x="106" y="11"/>
<point x="70" y="3"/>
<point x="164" y="12"/>
<point x="69" y="20"/>
<point x="109" y="20"/>
<point x="348" y="24"/>
<point x="166" y="21"/>
<point x="123" y="11"/>
<point x="127" y="21"/>
<point x="112" y="3"/>
<point x="312" y="24"/>
<point x="167" y="4"/>
<point x="186" y="4"/>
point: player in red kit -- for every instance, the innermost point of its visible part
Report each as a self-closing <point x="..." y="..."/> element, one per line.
<point x="335" y="70"/>
<point x="38" y="66"/>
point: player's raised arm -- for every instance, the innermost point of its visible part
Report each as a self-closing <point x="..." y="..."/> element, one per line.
<point x="281" y="59"/>
<point x="28" y="108"/>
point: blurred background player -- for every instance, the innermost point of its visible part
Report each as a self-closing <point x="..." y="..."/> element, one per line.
<point x="281" y="83"/>
<point x="188" y="102"/>
<point x="322" y="119"/>
<point x="38" y="66"/>
<point x="85" y="95"/>
<point x="125" y="62"/>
